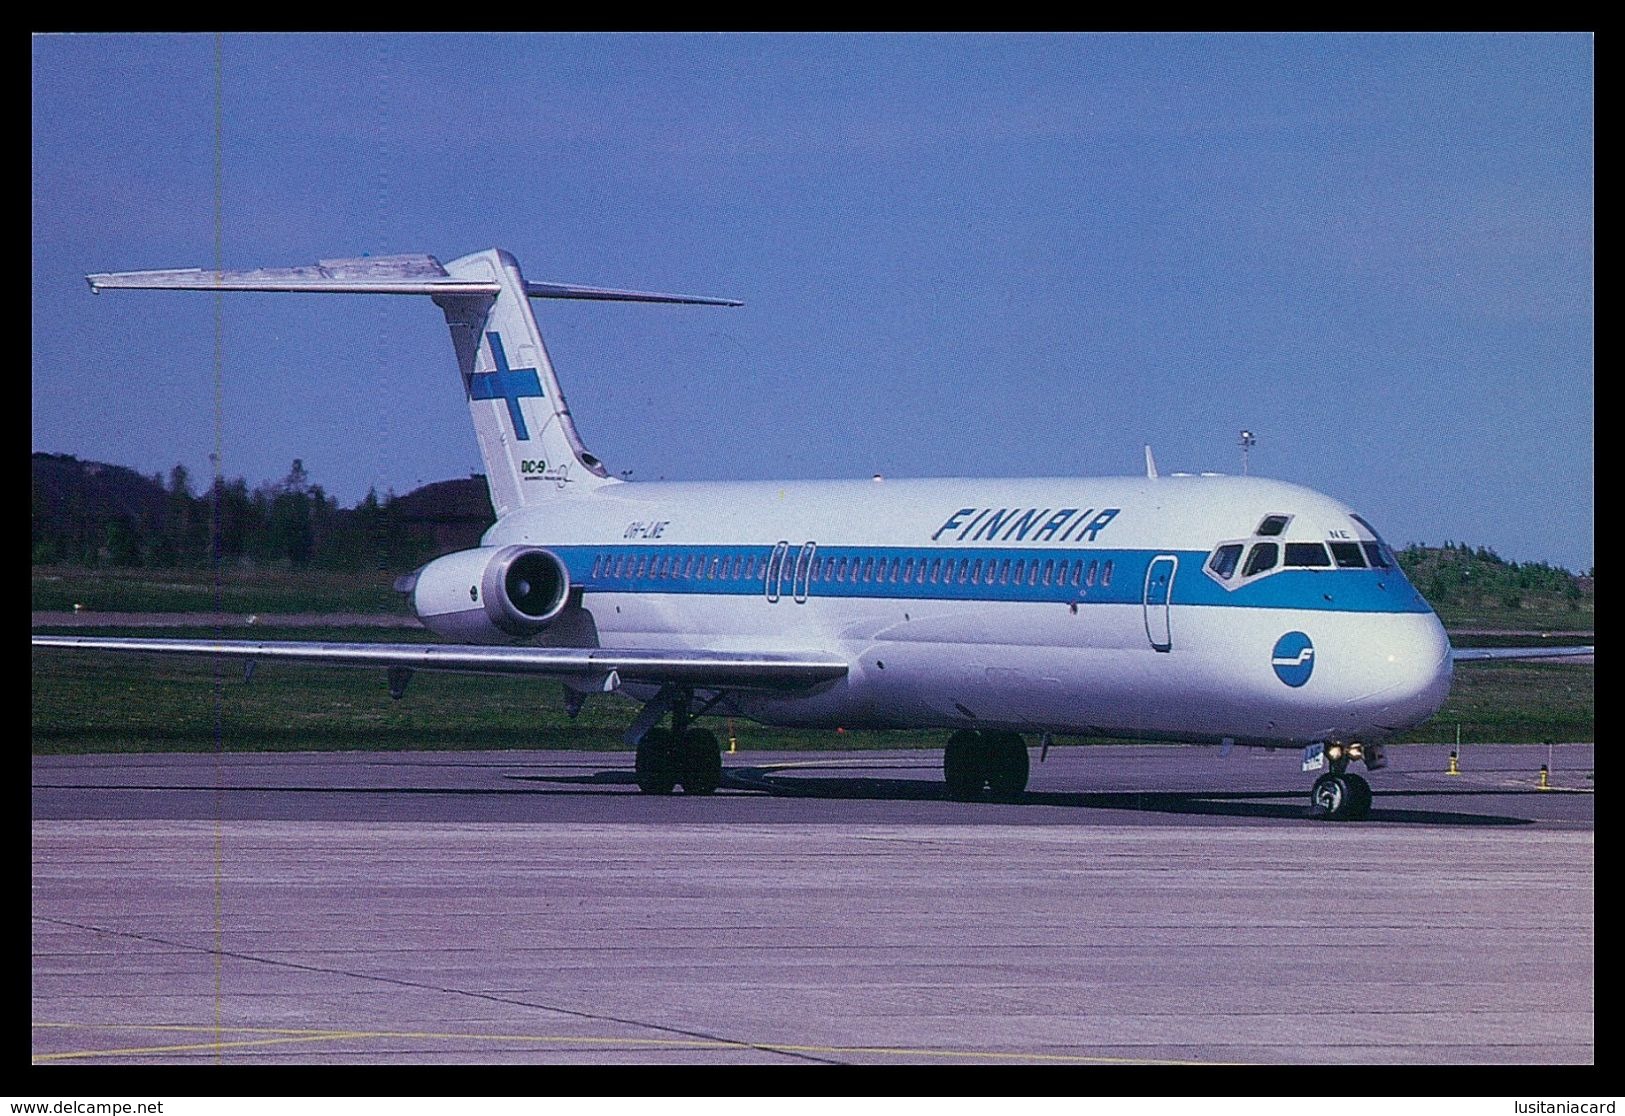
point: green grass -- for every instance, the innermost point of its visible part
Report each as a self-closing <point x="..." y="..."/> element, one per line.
<point x="1513" y="702"/>
<point x="1488" y="615"/>
<point x="99" y="702"/>
<point x="59" y="588"/>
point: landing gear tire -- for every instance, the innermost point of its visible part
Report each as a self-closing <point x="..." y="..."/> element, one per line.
<point x="701" y="762"/>
<point x="995" y="761"/>
<point x="657" y="762"/>
<point x="1360" y="807"/>
<point x="1008" y="767"/>
<point x="962" y="766"/>
<point x="1336" y="797"/>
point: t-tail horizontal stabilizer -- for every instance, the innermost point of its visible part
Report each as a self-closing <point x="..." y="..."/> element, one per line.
<point x="409" y="274"/>
<point x="527" y="437"/>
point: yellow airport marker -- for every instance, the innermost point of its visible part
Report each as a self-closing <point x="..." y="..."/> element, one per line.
<point x="1454" y="768"/>
<point x="733" y="741"/>
<point x="1545" y="778"/>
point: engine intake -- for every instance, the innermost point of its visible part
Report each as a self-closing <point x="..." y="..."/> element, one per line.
<point x="491" y="594"/>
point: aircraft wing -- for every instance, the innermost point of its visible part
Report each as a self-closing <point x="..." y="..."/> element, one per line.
<point x="596" y="667"/>
<point x="1481" y="654"/>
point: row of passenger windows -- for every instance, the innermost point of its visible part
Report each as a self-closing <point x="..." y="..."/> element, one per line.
<point x="678" y="567"/>
<point x="856" y="570"/>
<point x="1266" y="556"/>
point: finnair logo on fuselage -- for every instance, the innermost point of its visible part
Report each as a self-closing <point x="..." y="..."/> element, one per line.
<point x="1293" y="658"/>
<point x="1017" y="524"/>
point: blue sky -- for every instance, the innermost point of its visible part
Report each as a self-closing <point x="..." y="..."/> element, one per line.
<point x="960" y="255"/>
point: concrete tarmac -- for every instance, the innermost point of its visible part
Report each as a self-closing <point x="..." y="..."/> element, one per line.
<point x="1138" y="905"/>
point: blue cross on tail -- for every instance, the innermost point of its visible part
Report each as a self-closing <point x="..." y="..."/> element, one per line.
<point x="512" y="384"/>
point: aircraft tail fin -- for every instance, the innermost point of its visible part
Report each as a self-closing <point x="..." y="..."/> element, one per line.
<point x="526" y="435"/>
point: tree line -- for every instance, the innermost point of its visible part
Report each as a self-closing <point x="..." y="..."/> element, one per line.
<point x="290" y="522"/>
<point x="1456" y="573"/>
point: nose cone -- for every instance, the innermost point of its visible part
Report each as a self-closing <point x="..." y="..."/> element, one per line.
<point x="1412" y="670"/>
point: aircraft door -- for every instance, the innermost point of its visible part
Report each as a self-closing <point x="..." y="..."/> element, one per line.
<point x="1159" y="588"/>
<point x="775" y="570"/>
<point x="803" y="574"/>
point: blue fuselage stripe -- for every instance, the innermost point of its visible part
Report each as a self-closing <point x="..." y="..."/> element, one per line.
<point x="962" y="574"/>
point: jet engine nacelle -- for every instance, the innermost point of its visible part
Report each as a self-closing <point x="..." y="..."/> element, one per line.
<point x="492" y="594"/>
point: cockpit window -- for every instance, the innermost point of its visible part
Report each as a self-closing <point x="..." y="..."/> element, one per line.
<point x="1262" y="558"/>
<point x="1378" y="552"/>
<point x="1307" y="554"/>
<point x="1223" y="562"/>
<point x="1273" y="525"/>
<point x="1348" y="555"/>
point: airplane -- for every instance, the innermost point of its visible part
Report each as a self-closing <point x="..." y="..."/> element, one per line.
<point x="1210" y="609"/>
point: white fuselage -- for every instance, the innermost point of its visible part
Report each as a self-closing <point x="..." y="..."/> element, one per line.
<point x="1066" y="605"/>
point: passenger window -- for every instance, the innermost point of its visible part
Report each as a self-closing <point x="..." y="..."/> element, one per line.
<point x="688" y="567"/>
<point x="1077" y="572"/>
<point x="1049" y="570"/>
<point x="868" y="569"/>
<point x="1348" y="555"/>
<point x="1094" y="570"/>
<point x="976" y="572"/>
<point x="1021" y="568"/>
<point x="1223" y="562"/>
<point x="908" y="569"/>
<point x="1262" y="558"/>
<point x="1004" y="572"/>
<point x="1273" y="525"/>
<point x="936" y="570"/>
<point x="1106" y="573"/>
<point x="643" y="565"/>
<point x="1307" y="554"/>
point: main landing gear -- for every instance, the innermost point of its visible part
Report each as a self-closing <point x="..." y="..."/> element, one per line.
<point x="994" y="761"/>
<point x="1341" y="795"/>
<point x="679" y="756"/>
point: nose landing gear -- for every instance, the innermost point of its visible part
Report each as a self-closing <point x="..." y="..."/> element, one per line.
<point x="1344" y="797"/>
<point x="1340" y="795"/>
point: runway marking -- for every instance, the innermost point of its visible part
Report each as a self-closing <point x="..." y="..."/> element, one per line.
<point x="278" y="1035"/>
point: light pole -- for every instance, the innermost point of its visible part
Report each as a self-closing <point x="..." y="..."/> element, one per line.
<point x="1247" y="443"/>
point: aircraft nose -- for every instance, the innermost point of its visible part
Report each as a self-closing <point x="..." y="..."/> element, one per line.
<point x="1414" y="676"/>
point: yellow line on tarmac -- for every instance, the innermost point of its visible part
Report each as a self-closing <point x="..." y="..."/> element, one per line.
<point x="182" y="1047"/>
<point x="290" y="1036"/>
